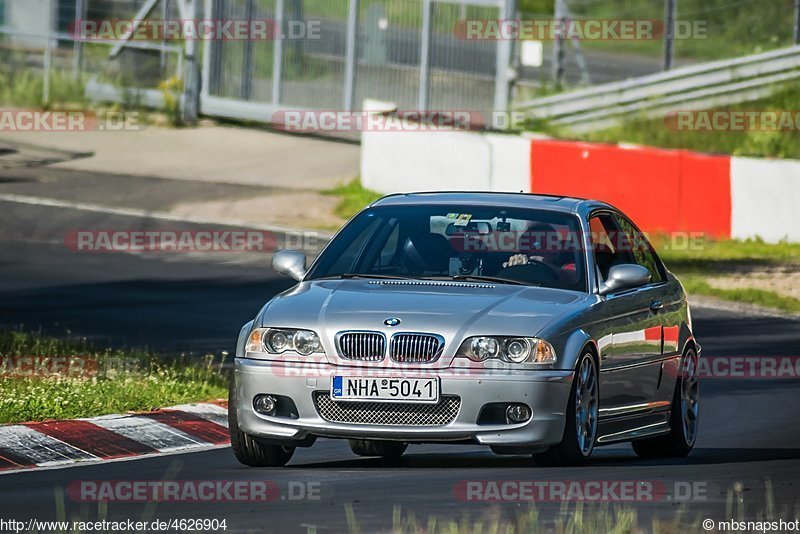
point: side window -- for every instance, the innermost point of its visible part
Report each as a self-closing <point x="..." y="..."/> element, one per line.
<point x="605" y="244"/>
<point x="638" y="244"/>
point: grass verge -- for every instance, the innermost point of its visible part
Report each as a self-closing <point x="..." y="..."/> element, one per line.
<point x="695" y="265"/>
<point x="353" y="197"/>
<point x="581" y="517"/>
<point x="696" y="285"/>
<point x="44" y="378"/>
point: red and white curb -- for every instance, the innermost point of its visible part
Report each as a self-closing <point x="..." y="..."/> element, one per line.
<point x="49" y="444"/>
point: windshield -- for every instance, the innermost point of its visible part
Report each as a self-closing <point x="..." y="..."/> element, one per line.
<point x="532" y="247"/>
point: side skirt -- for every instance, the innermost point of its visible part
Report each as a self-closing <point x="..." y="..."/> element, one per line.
<point x="617" y="429"/>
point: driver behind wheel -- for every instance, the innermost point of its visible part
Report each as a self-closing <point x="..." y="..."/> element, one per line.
<point x="541" y="243"/>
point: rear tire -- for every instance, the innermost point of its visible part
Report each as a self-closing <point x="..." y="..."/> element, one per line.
<point x="683" y="417"/>
<point x="384" y="449"/>
<point x="247" y="449"/>
<point x="581" y="421"/>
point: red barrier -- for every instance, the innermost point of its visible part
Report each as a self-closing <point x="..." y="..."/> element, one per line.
<point x="705" y="197"/>
<point x="661" y="190"/>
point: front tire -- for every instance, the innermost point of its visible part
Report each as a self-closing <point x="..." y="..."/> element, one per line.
<point x="384" y="449"/>
<point x="247" y="449"/>
<point x="683" y="417"/>
<point x="581" y="429"/>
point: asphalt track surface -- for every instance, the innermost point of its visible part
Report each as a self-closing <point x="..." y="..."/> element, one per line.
<point x="749" y="434"/>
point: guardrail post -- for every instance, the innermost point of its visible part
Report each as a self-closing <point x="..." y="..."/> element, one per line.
<point x="277" y="53"/>
<point x="77" y="54"/>
<point x="191" y="86"/>
<point x="502" y="79"/>
<point x="246" y="89"/>
<point x="796" y="22"/>
<point x="351" y="59"/>
<point x="558" y="45"/>
<point x="48" y="65"/>
<point x="669" y="32"/>
<point x="425" y="55"/>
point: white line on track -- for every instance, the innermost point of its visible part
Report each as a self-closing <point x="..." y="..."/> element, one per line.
<point x="145" y="214"/>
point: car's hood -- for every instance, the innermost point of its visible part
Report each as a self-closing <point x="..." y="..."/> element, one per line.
<point x="454" y="310"/>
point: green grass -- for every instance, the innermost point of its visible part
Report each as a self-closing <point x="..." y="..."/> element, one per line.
<point x="716" y="258"/>
<point x="656" y="132"/>
<point x="582" y="518"/>
<point x="353" y="197"/>
<point x="25" y="88"/>
<point x="749" y="27"/>
<point x="696" y="285"/>
<point x="118" y="380"/>
<point x="712" y="255"/>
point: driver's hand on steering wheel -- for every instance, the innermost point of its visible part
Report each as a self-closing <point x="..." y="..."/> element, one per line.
<point x="517" y="259"/>
<point x="520" y="259"/>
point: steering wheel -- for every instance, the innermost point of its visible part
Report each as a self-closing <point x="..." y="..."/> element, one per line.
<point x="522" y="272"/>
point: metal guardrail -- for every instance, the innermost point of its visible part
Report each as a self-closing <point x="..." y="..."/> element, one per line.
<point x="701" y="86"/>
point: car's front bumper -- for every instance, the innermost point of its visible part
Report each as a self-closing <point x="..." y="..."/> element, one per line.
<point x="545" y="391"/>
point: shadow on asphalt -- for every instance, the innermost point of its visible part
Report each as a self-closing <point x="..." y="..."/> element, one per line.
<point x="620" y="457"/>
<point x="142" y="313"/>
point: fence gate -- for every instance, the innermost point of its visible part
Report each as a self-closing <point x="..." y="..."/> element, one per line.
<point x="337" y="53"/>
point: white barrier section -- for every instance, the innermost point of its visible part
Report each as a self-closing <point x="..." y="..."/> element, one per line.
<point x="401" y="162"/>
<point x="441" y="160"/>
<point x="511" y="163"/>
<point x="765" y="198"/>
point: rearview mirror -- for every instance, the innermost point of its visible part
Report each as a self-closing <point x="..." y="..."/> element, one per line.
<point x="291" y="263"/>
<point x="625" y="276"/>
<point x="473" y="227"/>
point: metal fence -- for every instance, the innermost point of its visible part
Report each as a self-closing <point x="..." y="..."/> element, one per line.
<point x="37" y="40"/>
<point x="405" y="52"/>
<point x="728" y="29"/>
<point x="401" y="51"/>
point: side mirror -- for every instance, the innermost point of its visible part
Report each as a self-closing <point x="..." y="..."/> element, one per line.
<point x="291" y="263"/>
<point x="625" y="276"/>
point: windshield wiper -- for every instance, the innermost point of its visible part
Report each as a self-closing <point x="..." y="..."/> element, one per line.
<point x="351" y="276"/>
<point x="470" y="277"/>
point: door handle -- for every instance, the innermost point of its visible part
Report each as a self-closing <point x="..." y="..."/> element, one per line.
<point x="656" y="306"/>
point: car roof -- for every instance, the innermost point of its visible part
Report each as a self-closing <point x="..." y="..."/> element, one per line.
<point x="490" y="198"/>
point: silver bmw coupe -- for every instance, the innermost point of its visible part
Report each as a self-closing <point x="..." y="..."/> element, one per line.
<point x="531" y="324"/>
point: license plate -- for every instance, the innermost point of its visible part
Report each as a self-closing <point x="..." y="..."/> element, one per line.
<point x="352" y="388"/>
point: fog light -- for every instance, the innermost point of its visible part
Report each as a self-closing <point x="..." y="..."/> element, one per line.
<point x="518" y="413"/>
<point x="265" y="404"/>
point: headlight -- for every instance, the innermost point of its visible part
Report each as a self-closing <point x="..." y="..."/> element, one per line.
<point x="280" y="340"/>
<point x="527" y="350"/>
<point x="483" y="348"/>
